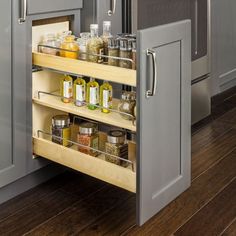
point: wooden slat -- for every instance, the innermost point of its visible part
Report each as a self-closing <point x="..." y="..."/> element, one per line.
<point x="203" y="189"/>
<point x="112" y="118"/>
<point x="99" y="71"/>
<point x="213" y="218"/>
<point x="95" y="167"/>
<point x="231" y="230"/>
<point x="82" y="214"/>
<point x="213" y="153"/>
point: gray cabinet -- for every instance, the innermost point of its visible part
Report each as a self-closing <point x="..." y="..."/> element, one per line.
<point x="45" y="6"/>
<point x="12" y="163"/>
<point x="164" y="77"/>
<point x="96" y="11"/>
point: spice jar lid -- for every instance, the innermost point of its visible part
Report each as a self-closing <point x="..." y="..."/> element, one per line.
<point x="116" y="136"/>
<point x="131" y="96"/>
<point x="125" y="44"/>
<point x="134" y="45"/>
<point x="88" y="128"/>
<point x="61" y="121"/>
<point x="113" y="42"/>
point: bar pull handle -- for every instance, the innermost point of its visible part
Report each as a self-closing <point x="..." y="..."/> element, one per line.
<point x="113" y="8"/>
<point x="152" y="91"/>
<point x="196" y="27"/>
<point x="23" y="12"/>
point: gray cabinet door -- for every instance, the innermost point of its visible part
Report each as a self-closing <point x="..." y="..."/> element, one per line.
<point x="164" y="125"/>
<point x="96" y="11"/>
<point x="45" y="6"/>
<point x="11" y="166"/>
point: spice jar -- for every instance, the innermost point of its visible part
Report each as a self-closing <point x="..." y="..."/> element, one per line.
<point x="51" y="41"/>
<point x="105" y="36"/>
<point x="127" y="104"/>
<point x="82" y="42"/>
<point x="61" y="130"/>
<point x="113" y="51"/>
<point x="134" y="54"/>
<point x="88" y="137"/>
<point x="125" y="52"/>
<point x="95" y="46"/>
<point x="70" y="45"/>
<point x="116" y="145"/>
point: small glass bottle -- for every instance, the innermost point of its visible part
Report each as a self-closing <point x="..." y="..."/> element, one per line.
<point x="61" y="130"/>
<point x="69" y="44"/>
<point x="116" y="145"/>
<point x="79" y="91"/>
<point x="66" y="88"/>
<point x="113" y="51"/>
<point x="89" y="138"/>
<point x="127" y="105"/>
<point x="134" y="54"/>
<point x="52" y="41"/>
<point x="106" y="97"/>
<point x="125" y="52"/>
<point x="92" y="94"/>
<point x="82" y="42"/>
<point x="106" y="35"/>
<point x="95" y="46"/>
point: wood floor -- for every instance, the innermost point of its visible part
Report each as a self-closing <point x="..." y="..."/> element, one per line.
<point x="74" y="204"/>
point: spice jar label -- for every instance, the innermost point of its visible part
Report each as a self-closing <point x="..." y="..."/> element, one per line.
<point x="67" y="91"/>
<point x="93" y="96"/>
<point x="107" y="97"/>
<point x="80" y="93"/>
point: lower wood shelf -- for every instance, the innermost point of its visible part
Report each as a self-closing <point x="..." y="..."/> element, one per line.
<point x="96" y="167"/>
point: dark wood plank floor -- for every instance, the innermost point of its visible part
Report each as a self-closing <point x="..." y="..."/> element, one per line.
<point x="75" y="204"/>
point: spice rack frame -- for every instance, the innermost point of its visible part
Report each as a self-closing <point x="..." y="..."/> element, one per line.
<point x="124" y="177"/>
<point x="78" y="67"/>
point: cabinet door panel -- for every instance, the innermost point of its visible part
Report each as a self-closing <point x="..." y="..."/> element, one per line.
<point x="164" y="124"/>
<point x="44" y="6"/>
<point x="5" y="87"/>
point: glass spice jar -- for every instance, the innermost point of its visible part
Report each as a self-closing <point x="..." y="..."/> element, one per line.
<point x="82" y="42"/>
<point x="105" y="36"/>
<point x="51" y="41"/>
<point x="116" y="145"/>
<point x="88" y="137"/>
<point x="70" y="45"/>
<point x="61" y="130"/>
<point x="134" y="54"/>
<point x="127" y="104"/>
<point x="113" y="51"/>
<point x="95" y="46"/>
<point x="125" y="52"/>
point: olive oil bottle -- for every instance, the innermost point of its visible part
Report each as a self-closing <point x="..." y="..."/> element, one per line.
<point x="79" y="91"/>
<point x="106" y="97"/>
<point x="66" y="89"/>
<point x="92" y="94"/>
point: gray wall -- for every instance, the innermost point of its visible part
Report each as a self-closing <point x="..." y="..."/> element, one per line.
<point x="223" y="45"/>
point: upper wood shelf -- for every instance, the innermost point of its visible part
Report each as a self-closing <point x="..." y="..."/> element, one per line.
<point x="98" y="71"/>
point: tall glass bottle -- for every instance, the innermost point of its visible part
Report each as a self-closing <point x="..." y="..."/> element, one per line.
<point x="79" y="91"/>
<point x="106" y="97"/>
<point x="95" y="45"/>
<point x="66" y="88"/>
<point x="106" y="35"/>
<point x="92" y="94"/>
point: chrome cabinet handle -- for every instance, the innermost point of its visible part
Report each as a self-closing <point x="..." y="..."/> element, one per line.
<point x="196" y="27"/>
<point x="23" y="11"/>
<point x="113" y="8"/>
<point x="152" y="91"/>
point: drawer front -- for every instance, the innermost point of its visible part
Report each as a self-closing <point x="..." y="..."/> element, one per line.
<point x="44" y="6"/>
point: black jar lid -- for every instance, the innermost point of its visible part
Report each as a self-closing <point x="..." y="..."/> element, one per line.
<point x="116" y="137"/>
<point x="113" y="42"/>
<point x="125" y="44"/>
<point x="61" y="121"/>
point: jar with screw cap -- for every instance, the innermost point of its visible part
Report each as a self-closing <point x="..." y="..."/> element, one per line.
<point x="113" y="51"/>
<point x="125" y="52"/>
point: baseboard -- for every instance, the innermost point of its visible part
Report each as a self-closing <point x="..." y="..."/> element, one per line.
<point x="12" y="190"/>
<point x="227" y="80"/>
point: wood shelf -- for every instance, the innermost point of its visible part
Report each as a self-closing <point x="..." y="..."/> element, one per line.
<point x="99" y="71"/>
<point x="112" y="118"/>
<point x="96" y="167"/>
